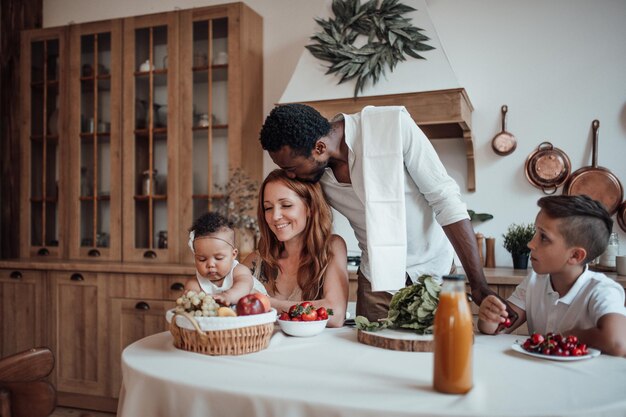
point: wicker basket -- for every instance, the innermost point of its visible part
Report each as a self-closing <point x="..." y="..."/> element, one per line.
<point x="220" y="342"/>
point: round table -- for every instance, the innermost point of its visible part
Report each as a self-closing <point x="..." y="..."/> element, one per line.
<point x="332" y="374"/>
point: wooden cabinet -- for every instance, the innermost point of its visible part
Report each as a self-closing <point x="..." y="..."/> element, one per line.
<point x="22" y="304"/>
<point x="146" y="116"/>
<point x="80" y="331"/>
<point x="129" y="130"/>
<point x="43" y="142"/>
<point x="137" y="309"/>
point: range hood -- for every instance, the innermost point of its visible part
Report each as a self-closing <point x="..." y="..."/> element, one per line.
<point x="428" y="89"/>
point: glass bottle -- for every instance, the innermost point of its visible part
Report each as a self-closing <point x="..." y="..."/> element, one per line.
<point x="607" y="259"/>
<point x="453" y="338"/>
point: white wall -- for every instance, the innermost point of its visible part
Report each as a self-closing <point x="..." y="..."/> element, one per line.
<point x="557" y="65"/>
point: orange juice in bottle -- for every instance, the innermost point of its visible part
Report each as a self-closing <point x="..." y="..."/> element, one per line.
<point x="454" y="337"/>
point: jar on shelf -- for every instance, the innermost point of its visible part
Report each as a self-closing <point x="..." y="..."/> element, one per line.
<point x="148" y="183"/>
<point x="203" y="121"/>
<point x="607" y="259"/>
<point x="162" y="239"/>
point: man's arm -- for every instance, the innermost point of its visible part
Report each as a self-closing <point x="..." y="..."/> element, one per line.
<point x="461" y="235"/>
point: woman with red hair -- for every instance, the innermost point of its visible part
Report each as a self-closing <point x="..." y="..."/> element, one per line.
<point x="299" y="259"/>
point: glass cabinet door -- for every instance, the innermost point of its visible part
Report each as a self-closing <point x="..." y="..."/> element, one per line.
<point x="221" y="82"/>
<point x="150" y="131"/>
<point x="210" y="160"/>
<point x="44" y="141"/>
<point x="94" y="129"/>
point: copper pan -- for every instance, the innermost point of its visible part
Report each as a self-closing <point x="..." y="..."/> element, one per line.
<point x="547" y="168"/>
<point x="504" y="143"/>
<point x="597" y="182"/>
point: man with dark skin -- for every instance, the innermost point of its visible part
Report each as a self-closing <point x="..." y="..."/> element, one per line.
<point x="310" y="148"/>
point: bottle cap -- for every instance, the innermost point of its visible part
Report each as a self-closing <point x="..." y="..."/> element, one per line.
<point x="456" y="277"/>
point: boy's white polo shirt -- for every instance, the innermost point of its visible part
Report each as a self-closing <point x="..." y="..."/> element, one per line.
<point x="592" y="296"/>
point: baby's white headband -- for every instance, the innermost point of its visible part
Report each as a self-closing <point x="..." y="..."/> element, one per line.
<point x="192" y="237"/>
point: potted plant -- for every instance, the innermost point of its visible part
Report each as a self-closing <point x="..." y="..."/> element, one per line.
<point x="516" y="241"/>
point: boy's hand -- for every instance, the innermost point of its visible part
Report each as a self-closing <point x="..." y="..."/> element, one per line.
<point x="493" y="310"/>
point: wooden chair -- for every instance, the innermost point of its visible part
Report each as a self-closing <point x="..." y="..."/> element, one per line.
<point x="24" y="392"/>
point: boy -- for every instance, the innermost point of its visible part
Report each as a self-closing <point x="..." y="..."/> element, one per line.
<point x="561" y="294"/>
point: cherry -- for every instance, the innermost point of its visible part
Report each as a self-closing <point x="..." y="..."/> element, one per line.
<point x="536" y="338"/>
<point x="507" y="322"/>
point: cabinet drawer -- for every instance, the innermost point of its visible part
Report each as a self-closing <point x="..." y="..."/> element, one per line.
<point x="152" y="287"/>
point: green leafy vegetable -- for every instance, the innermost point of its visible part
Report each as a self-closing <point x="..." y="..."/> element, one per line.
<point x="411" y="308"/>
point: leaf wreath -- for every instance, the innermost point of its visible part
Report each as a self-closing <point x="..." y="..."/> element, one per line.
<point x="389" y="37"/>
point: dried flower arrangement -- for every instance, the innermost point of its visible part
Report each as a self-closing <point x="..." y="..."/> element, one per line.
<point x="240" y="196"/>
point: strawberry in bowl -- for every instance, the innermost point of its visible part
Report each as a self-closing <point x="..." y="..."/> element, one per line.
<point x="304" y="319"/>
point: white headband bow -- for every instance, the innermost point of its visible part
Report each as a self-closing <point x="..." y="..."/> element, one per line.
<point x="192" y="237"/>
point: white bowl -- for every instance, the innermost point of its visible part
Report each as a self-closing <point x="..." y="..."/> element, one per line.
<point x="302" y="328"/>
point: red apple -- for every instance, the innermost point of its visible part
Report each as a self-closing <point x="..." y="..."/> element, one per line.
<point x="249" y="304"/>
<point x="265" y="300"/>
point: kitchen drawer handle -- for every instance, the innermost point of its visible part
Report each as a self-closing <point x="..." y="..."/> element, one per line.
<point x="150" y="254"/>
<point x="77" y="277"/>
<point x="16" y="275"/>
<point x="94" y="252"/>
<point x="142" y="305"/>
<point x="177" y="286"/>
<point x="43" y="252"/>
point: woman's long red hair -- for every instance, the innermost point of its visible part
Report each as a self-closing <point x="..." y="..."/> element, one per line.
<point x="315" y="255"/>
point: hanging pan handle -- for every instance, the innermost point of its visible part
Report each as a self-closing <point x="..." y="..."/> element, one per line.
<point x="504" y="110"/>
<point x="594" y="156"/>
<point x="545" y="190"/>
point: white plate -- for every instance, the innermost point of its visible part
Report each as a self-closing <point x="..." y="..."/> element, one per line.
<point x="592" y="354"/>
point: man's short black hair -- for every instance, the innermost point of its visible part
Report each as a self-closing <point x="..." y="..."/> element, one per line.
<point x="210" y="223"/>
<point x="584" y="221"/>
<point x="295" y="125"/>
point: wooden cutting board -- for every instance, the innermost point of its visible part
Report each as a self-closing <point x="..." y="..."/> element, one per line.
<point x="403" y="340"/>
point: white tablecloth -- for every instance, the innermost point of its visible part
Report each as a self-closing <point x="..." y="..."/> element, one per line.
<point x="332" y="374"/>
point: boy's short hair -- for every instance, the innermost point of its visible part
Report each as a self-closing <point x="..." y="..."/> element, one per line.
<point x="211" y="223"/>
<point x="584" y="222"/>
<point x="295" y="125"/>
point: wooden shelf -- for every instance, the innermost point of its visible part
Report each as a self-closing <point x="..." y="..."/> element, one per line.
<point x="442" y="114"/>
<point x="216" y="126"/>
